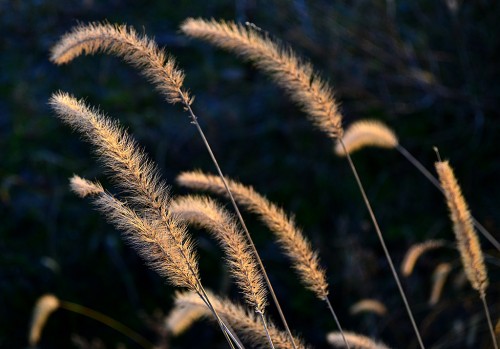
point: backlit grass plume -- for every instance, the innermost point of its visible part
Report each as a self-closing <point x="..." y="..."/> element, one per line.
<point x="160" y="69"/>
<point x="415" y="252"/>
<point x="439" y="277"/>
<point x="124" y="42"/>
<point x="467" y="240"/>
<point x="206" y="213"/>
<point x="356" y="341"/>
<point x="149" y="236"/>
<point x="244" y="322"/>
<point x="290" y="237"/>
<point x="295" y="76"/>
<point x="297" y="247"/>
<point x="153" y="240"/>
<point x="368" y="306"/>
<point x="181" y="318"/>
<point x="139" y="180"/>
<point x="45" y="306"/>
<point x="303" y="85"/>
<point x="131" y="169"/>
<point x="366" y="133"/>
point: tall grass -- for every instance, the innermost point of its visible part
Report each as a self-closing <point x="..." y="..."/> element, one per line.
<point x="155" y="222"/>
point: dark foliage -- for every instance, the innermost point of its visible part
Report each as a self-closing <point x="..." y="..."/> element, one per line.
<point x="427" y="68"/>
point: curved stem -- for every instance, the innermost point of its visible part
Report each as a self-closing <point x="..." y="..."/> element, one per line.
<point x="194" y="121"/>
<point x="490" y="324"/>
<point x="108" y="321"/>
<point x="337" y="321"/>
<point x="435" y="182"/>
<point x="384" y="247"/>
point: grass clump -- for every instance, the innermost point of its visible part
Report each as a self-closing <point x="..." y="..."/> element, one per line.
<point x="155" y="222"/>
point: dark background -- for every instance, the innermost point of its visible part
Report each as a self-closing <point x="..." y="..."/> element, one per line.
<point x="429" y="69"/>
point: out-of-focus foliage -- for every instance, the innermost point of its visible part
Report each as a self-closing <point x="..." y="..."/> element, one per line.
<point x="427" y="68"/>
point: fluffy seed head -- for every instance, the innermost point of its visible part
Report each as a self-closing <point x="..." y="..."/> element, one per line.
<point x="181" y="318"/>
<point x="438" y="280"/>
<point x="161" y="240"/>
<point x="45" y="306"/>
<point x="467" y="240"/>
<point x="124" y="42"/>
<point x="206" y="213"/>
<point x="247" y="324"/>
<point x="356" y="341"/>
<point x="290" y="237"/>
<point x="296" y="77"/>
<point x="366" y="133"/>
<point x="83" y="187"/>
<point x="368" y="306"/>
<point x="414" y="253"/>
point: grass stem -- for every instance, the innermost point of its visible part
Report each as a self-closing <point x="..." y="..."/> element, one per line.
<point x="194" y="121"/>
<point x="265" y="328"/>
<point x="108" y="321"/>
<point x="435" y="182"/>
<point x="490" y="324"/>
<point x="384" y="247"/>
<point x="337" y="322"/>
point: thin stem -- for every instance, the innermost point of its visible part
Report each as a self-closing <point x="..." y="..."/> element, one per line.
<point x="118" y="326"/>
<point x="227" y="332"/>
<point x="207" y="302"/>
<point x="382" y="242"/>
<point x="434" y="181"/>
<point x="486" y="233"/>
<point x="490" y="324"/>
<point x="419" y="166"/>
<point x="266" y="329"/>
<point x="205" y="299"/>
<point x="194" y="121"/>
<point x="232" y="334"/>
<point x="337" y="321"/>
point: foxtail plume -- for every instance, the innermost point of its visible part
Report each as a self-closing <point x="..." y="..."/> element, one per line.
<point x="467" y="240"/>
<point x="45" y="306"/>
<point x="124" y="42"/>
<point x="297" y="247"/>
<point x="439" y="277"/>
<point x="246" y="323"/>
<point x="365" y="133"/>
<point x="149" y="236"/>
<point x="295" y="76"/>
<point x="415" y="252"/>
<point x="206" y="213"/>
<point x="356" y="341"/>
<point x="368" y="306"/>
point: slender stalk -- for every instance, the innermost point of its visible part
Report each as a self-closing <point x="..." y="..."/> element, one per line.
<point x="265" y="328"/>
<point x="227" y="332"/>
<point x="490" y="324"/>
<point x="434" y="181"/>
<point x="194" y="121"/>
<point x="419" y="166"/>
<point x="382" y="242"/>
<point x="206" y="300"/>
<point x="486" y="233"/>
<point x="337" y="321"/>
<point x="118" y="326"/>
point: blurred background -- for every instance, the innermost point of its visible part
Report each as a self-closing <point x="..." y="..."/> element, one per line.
<point x="427" y="68"/>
